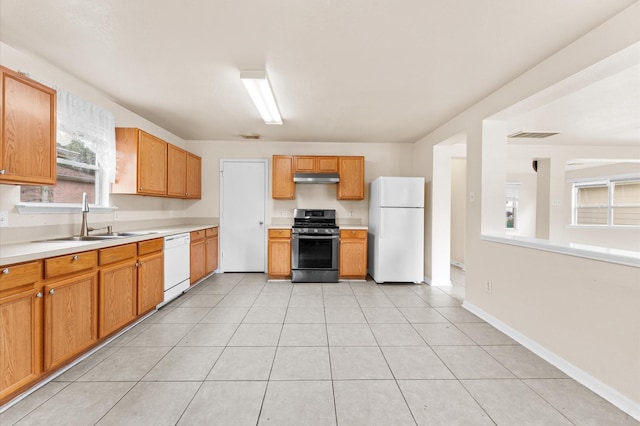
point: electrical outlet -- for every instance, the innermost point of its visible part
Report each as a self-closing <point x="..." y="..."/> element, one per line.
<point x="489" y="287"/>
<point x="115" y="215"/>
<point x="4" y="219"/>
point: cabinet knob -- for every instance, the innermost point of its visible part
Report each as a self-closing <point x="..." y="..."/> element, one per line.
<point x="39" y="295"/>
<point x="141" y="263"/>
<point x="5" y="271"/>
<point x="75" y="258"/>
<point x="52" y="292"/>
<point x="187" y="194"/>
<point x="3" y="171"/>
<point x="140" y="188"/>
<point x="137" y="264"/>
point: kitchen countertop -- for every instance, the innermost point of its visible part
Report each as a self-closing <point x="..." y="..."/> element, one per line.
<point x="34" y="250"/>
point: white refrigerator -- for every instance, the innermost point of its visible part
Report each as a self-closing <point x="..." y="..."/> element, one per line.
<point x="396" y="229"/>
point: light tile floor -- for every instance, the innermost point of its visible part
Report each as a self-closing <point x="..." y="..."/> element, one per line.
<point x="239" y="350"/>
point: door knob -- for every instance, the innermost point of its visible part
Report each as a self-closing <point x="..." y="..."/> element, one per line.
<point x="261" y="223"/>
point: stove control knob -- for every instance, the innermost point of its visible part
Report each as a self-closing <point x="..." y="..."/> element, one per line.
<point x="315" y="230"/>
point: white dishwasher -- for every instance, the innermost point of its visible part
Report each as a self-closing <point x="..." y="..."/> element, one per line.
<point x="176" y="266"/>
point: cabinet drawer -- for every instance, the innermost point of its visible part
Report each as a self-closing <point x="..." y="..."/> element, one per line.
<point x="71" y="263"/>
<point x="116" y="254"/>
<point x="353" y="233"/>
<point x="279" y="233"/>
<point x="197" y="235"/>
<point x="150" y="246"/>
<point x="14" y="276"/>
<point x="211" y="232"/>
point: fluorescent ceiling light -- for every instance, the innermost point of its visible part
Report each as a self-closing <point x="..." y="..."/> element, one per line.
<point x="259" y="89"/>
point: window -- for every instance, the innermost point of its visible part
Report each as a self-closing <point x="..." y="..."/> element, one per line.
<point x="85" y="155"/>
<point x="512" y="205"/>
<point x="607" y="203"/>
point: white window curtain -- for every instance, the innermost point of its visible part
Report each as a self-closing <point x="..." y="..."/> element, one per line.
<point x="95" y="126"/>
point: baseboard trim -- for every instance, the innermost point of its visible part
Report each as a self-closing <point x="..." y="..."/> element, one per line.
<point x="618" y="399"/>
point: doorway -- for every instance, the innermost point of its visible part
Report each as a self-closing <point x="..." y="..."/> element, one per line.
<point x="243" y="199"/>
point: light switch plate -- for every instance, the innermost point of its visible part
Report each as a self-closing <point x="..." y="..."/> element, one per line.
<point x="4" y="219"/>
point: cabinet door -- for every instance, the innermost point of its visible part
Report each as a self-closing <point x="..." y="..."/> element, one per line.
<point x="304" y="164"/>
<point x="282" y="186"/>
<point x="70" y="318"/>
<point x="353" y="258"/>
<point x="20" y="340"/>
<point x="279" y="257"/>
<point x="28" y="131"/>
<point x="152" y="165"/>
<point x="197" y="261"/>
<point x="327" y="164"/>
<point x="211" y="254"/>
<point x="351" y="185"/>
<point x="177" y="171"/>
<point x="150" y="282"/>
<point x="117" y="298"/>
<point x="194" y="176"/>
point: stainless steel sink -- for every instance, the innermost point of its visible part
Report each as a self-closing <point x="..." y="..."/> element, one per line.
<point x="122" y="234"/>
<point x="99" y="237"/>
<point x="84" y="238"/>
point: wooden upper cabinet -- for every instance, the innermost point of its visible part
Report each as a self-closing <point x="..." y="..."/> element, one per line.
<point x="351" y="185"/>
<point x="141" y="163"/>
<point x="315" y="164"/>
<point x="176" y="171"/>
<point x="282" y="186"/>
<point x="194" y="176"/>
<point x="28" y="131"/>
<point x="304" y="164"/>
<point x="152" y="165"/>
<point x="327" y="164"/>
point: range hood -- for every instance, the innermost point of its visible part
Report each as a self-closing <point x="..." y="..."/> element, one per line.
<point x="316" y="178"/>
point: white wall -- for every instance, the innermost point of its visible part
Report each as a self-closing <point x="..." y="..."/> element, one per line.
<point x="458" y="208"/>
<point x="583" y="311"/>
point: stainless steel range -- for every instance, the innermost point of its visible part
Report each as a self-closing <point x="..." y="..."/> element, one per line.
<point x="314" y="246"/>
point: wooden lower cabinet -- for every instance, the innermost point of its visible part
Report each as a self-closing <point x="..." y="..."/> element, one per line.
<point x="53" y="310"/>
<point x="279" y="253"/>
<point x="70" y="318"/>
<point x="20" y="340"/>
<point x="353" y="254"/>
<point x="117" y="297"/>
<point x="150" y="282"/>
<point x="117" y="286"/>
<point x="197" y="253"/>
<point x="211" y="250"/>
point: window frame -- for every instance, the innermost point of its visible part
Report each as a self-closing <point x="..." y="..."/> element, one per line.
<point x="610" y="184"/>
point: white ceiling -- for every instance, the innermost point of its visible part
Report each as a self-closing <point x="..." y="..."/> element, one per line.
<point x="351" y="70"/>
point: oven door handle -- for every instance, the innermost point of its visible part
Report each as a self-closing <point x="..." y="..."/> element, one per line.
<point x="314" y="237"/>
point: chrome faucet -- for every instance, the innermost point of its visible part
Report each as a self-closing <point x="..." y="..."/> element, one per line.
<point x="84" y="229"/>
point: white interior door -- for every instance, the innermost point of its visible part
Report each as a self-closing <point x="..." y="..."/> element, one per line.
<point x="242" y="215"/>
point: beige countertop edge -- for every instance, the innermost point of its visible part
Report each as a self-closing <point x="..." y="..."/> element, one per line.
<point x="28" y="251"/>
